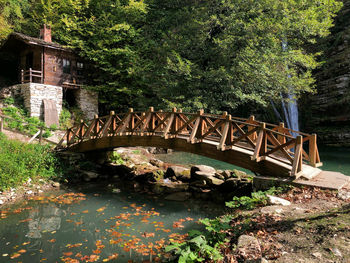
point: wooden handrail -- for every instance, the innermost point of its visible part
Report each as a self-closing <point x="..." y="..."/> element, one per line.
<point x="28" y="75"/>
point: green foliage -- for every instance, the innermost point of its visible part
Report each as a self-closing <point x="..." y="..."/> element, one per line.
<point x="19" y="117"/>
<point x="257" y="199"/>
<point x="20" y="161"/>
<point x="116" y="158"/>
<point x="196" y="249"/>
<point x="65" y="119"/>
<point x="202" y="246"/>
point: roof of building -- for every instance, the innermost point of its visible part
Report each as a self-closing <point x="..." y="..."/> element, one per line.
<point x="37" y="41"/>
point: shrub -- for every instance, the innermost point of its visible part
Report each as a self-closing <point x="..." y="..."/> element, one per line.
<point x="20" y="161"/>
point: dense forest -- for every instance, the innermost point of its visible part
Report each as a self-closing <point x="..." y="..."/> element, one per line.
<point x="216" y="55"/>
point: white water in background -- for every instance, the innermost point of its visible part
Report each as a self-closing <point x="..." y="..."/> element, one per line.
<point x="290" y="108"/>
<point x="291" y="112"/>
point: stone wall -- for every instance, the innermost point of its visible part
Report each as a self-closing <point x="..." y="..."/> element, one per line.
<point x="33" y="95"/>
<point x="88" y="102"/>
<point x="328" y="111"/>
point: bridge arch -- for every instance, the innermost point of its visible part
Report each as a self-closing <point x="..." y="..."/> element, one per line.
<point x="263" y="148"/>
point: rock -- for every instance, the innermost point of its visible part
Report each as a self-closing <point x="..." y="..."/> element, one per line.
<point x="274" y="209"/>
<point x="87" y="175"/>
<point x="219" y="176"/>
<point x="226" y="174"/>
<point x="179" y="172"/>
<point x="202" y="168"/>
<point x="168" y="186"/>
<point x="179" y="196"/>
<point x="230" y="185"/>
<point x="1" y="202"/>
<point x="249" y="248"/>
<point x="199" y="183"/>
<point x="336" y="252"/>
<point x="317" y="255"/>
<point x="264" y="260"/>
<point x="239" y="174"/>
<point x="344" y="194"/>
<point x="29" y="192"/>
<point x="156" y="162"/>
<point x="155" y="150"/>
<point x="273" y="200"/>
<point x="56" y="184"/>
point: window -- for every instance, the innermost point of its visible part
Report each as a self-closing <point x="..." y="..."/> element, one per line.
<point x="66" y="66"/>
<point x="80" y="68"/>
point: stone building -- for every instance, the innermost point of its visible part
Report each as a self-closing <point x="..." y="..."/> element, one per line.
<point x="47" y="74"/>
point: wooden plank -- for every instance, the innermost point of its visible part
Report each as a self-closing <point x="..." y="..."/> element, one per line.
<point x="168" y="126"/>
<point x="277" y="143"/>
<point x="312" y="150"/>
<point x="194" y="130"/>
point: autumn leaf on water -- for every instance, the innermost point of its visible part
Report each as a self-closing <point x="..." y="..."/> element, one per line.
<point x="26" y="220"/>
<point x="25" y="243"/>
<point x="16" y="255"/>
<point x="85" y="211"/>
<point x="147" y="234"/>
<point x="189" y="219"/>
<point x="101" y="209"/>
<point x="67" y="254"/>
<point x="113" y="256"/>
<point x="52" y="240"/>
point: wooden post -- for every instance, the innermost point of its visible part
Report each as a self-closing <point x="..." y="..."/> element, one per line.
<point x="313" y="150"/>
<point x="222" y="145"/>
<point x="22" y="76"/>
<point x="298" y="157"/>
<point x="195" y="127"/>
<point x="175" y="125"/>
<point x="251" y="120"/>
<point x="30" y="75"/>
<point x="97" y="125"/>
<point x="259" y="148"/>
<point x="132" y="119"/>
<point x="280" y="138"/>
<point x="81" y="130"/>
<point x="2" y="119"/>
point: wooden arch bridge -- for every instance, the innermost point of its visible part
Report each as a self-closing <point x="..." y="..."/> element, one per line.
<point x="263" y="148"/>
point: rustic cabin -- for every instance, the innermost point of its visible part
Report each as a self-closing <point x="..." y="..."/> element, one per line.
<point x="46" y="73"/>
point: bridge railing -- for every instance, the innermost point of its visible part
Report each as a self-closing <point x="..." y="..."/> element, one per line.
<point x="263" y="140"/>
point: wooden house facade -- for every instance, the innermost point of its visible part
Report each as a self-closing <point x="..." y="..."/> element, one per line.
<point x="40" y="60"/>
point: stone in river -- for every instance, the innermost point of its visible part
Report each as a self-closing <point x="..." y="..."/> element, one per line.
<point x="180" y="196"/>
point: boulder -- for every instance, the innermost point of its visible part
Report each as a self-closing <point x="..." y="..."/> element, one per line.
<point x="156" y="162"/>
<point x="88" y="175"/>
<point x="179" y="196"/>
<point x="239" y="174"/>
<point x="208" y="177"/>
<point x="200" y="183"/>
<point x="273" y="209"/>
<point x="343" y="194"/>
<point x="168" y="186"/>
<point x="219" y="176"/>
<point x="179" y="172"/>
<point x="249" y="248"/>
<point x="202" y="168"/>
<point x="230" y="185"/>
<point x="226" y="174"/>
<point x="273" y="200"/>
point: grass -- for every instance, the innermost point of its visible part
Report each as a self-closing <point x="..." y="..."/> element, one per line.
<point x="20" y="161"/>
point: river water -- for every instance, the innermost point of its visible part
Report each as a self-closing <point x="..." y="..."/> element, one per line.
<point x="333" y="159"/>
<point x="93" y="224"/>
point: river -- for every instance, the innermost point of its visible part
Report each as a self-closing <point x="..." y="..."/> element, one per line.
<point x="93" y="224"/>
<point x="333" y="159"/>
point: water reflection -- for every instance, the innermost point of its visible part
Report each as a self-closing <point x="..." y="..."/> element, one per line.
<point x="44" y="219"/>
